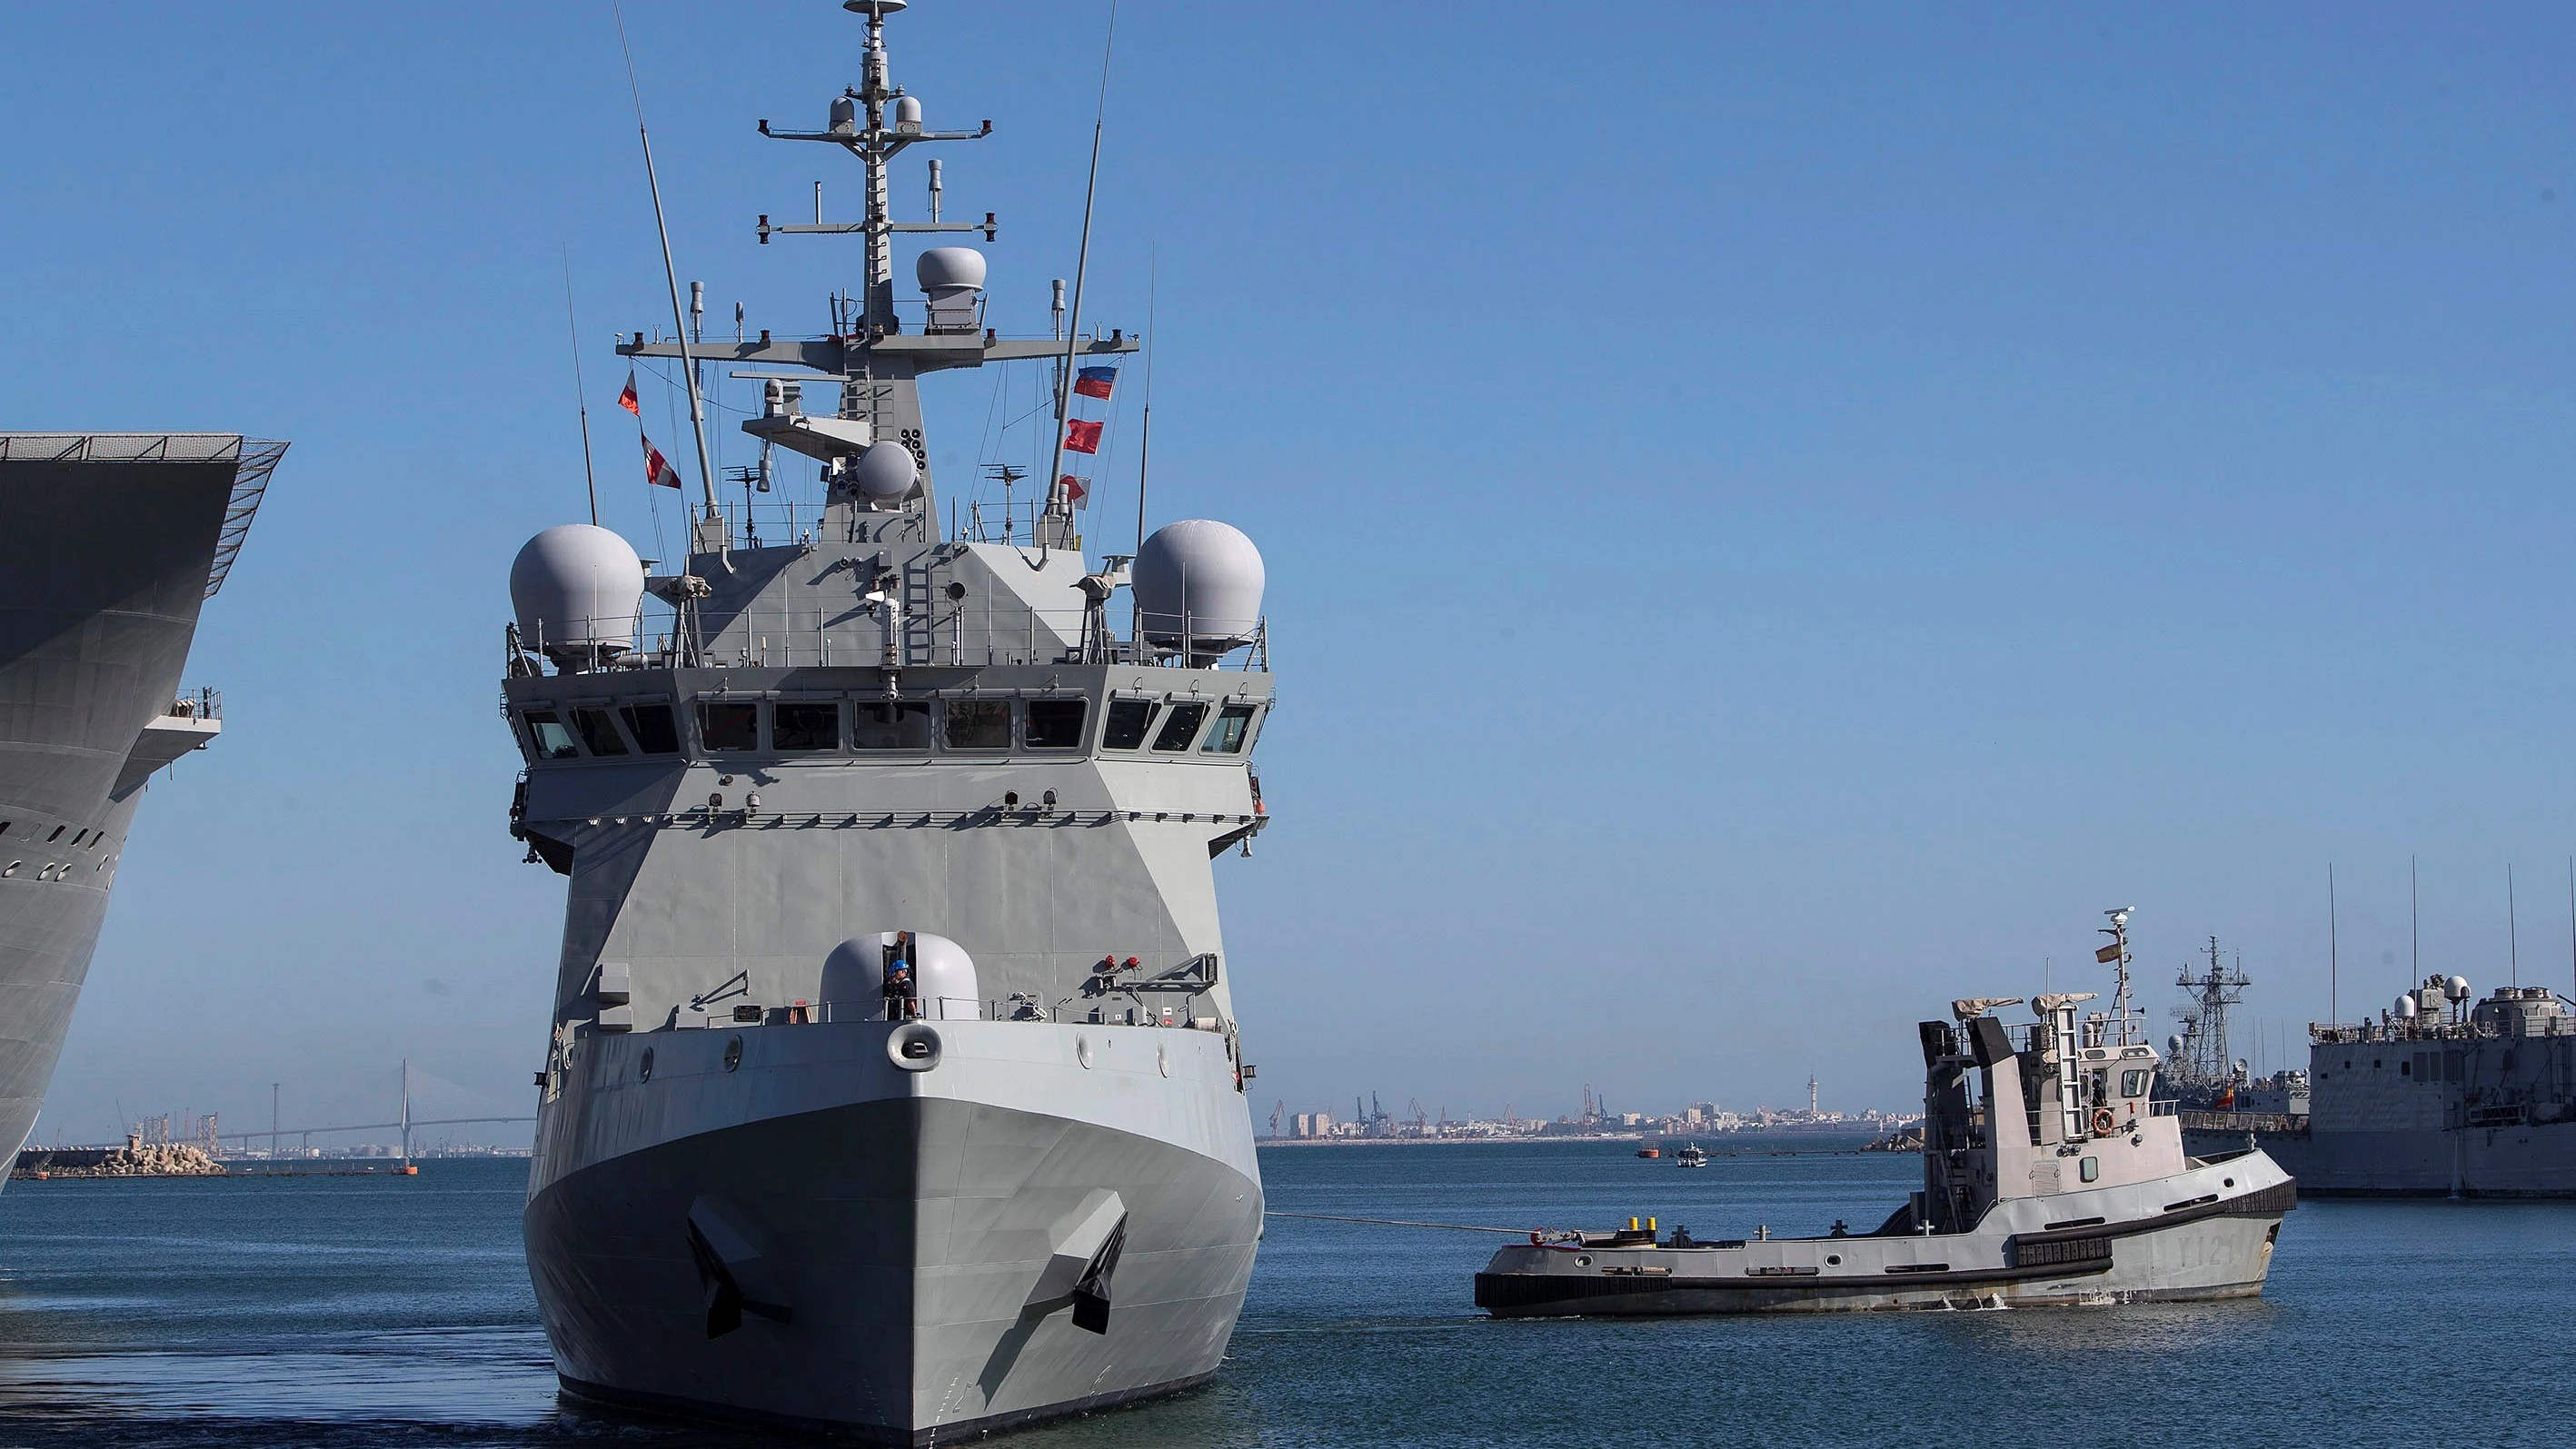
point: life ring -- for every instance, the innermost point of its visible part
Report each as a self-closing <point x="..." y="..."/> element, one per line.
<point x="2104" y="1124"/>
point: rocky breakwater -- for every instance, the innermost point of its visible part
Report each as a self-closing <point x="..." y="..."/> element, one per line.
<point x="135" y="1159"/>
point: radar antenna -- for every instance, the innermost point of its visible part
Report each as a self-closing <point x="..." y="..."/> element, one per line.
<point x="2116" y="956"/>
<point x="875" y="145"/>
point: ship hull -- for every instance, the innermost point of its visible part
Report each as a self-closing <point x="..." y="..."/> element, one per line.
<point x="108" y="545"/>
<point x="2526" y="1160"/>
<point x="2206" y="1234"/>
<point x="818" y="1238"/>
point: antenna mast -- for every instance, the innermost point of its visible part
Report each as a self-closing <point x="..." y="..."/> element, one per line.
<point x="671" y="275"/>
<point x="1056" y="506"/>
<point x="581" y="399"/>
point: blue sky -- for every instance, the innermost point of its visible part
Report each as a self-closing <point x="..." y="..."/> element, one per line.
<point x="1776" y="516"/>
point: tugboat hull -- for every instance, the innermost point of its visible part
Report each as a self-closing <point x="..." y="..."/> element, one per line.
<point x="2206" y="1234"/>
<point x="818" y="1238"/>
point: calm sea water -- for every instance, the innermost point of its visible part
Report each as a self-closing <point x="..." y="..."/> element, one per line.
<point x="354" y="1311"/>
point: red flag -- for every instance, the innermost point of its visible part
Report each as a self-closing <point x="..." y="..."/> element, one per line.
<point x="1074" y="491"/>
<point x="1081" y="437"/>
<point x="628" y="400"/>
<point x="657" y="469"/>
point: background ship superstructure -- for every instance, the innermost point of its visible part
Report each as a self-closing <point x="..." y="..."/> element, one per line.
<point x="753" y="1194"/>
<point x="110" y="543"/>
<point x="2442" y="1094"/>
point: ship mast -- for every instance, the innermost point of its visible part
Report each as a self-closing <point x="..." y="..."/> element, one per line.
<point x="875" y="145"/>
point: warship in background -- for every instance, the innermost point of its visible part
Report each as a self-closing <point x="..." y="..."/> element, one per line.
<point x="2053" y="1173"/>
<point x="894" y="1087"/>
<point x="110" y="544"/>
<point x="2441" y="1095"/>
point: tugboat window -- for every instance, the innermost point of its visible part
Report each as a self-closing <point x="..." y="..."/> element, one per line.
<point x="728" y="725"/>
<point x="901" y="726"/>
<point x="547" y="735"/>
<point x="655" y="732"/>
<point x="1232" y="723"/>
<point x="2133" y="1084"/>
<point x="2089" y="1169"/>
<point x="1128" y="720"/>
<point x="598" y="734"/>
<point x="1180" y="726"/>
<point x="807" y="725"/>
<point x="979" y="724"/>
<point x="1056" y="724"/>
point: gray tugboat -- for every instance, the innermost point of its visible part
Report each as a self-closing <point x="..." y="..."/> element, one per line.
<point x="2052" y="1174"/>
<point x="110" y="544"/>
<point x="894" y="1086"/>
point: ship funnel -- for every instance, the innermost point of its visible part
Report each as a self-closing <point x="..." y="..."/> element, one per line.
<point x="575" y="588"/>
<point x="1199" y="580"/>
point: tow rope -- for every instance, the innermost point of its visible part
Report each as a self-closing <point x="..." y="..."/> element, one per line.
<point x="1399" y="1223"/>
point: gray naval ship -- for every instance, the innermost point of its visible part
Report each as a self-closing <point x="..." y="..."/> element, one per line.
<point x="2442" y="1095"/>
<point x="110" y="544"/>
<point x="2053" y="1173"/>
<point x="895" y="1087"/>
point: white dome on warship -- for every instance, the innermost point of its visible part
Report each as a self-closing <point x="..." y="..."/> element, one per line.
<point x="886" y="472"/>
<point x="1201" y="576"/>
<point x="575" y="588"/>
<point x="941" y="267"/>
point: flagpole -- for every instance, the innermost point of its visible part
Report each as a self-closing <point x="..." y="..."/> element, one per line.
<point x="589" y="474"/>
<point x="671" y="275"/>
<point x="1081" y="269"/>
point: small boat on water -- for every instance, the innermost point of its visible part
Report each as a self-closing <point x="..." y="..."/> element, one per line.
<point x="1691" y="1156"/>
<point x="2051" y="1174"/>
<point x="1650" y="1152"/>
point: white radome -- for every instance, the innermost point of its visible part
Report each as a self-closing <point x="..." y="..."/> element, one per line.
<point x="887" y="471"/>
<point x="940" y="268"/>
<point x="1201" y="576"/>
<point x="575" y="588"/>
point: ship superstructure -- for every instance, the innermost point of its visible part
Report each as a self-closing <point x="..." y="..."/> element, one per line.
<point x="2053" y="1172"/>
<point x="2442" y="1094"/>
<point x="110" y="544"/>
<point x="894" y="1084"/>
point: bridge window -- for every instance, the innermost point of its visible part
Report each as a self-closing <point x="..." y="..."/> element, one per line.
<point x="548" y="737"/>
<point x="899" y="726"/>
<point x="655" y="731"/>
<point x="1128" y="721"/>
<point x="1180" y="726"/>
<point x="1232" y="723"/>
<point x="1056" y="724"/>
<point x="725" y="724"/>
<point x="598" y="732"/>
<point x="979" y="724"/>
<point x="806" y="725"/>
<point x="2133" y="1084"/>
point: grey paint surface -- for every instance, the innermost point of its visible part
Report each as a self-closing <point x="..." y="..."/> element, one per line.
<point x="109" y="546"/>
